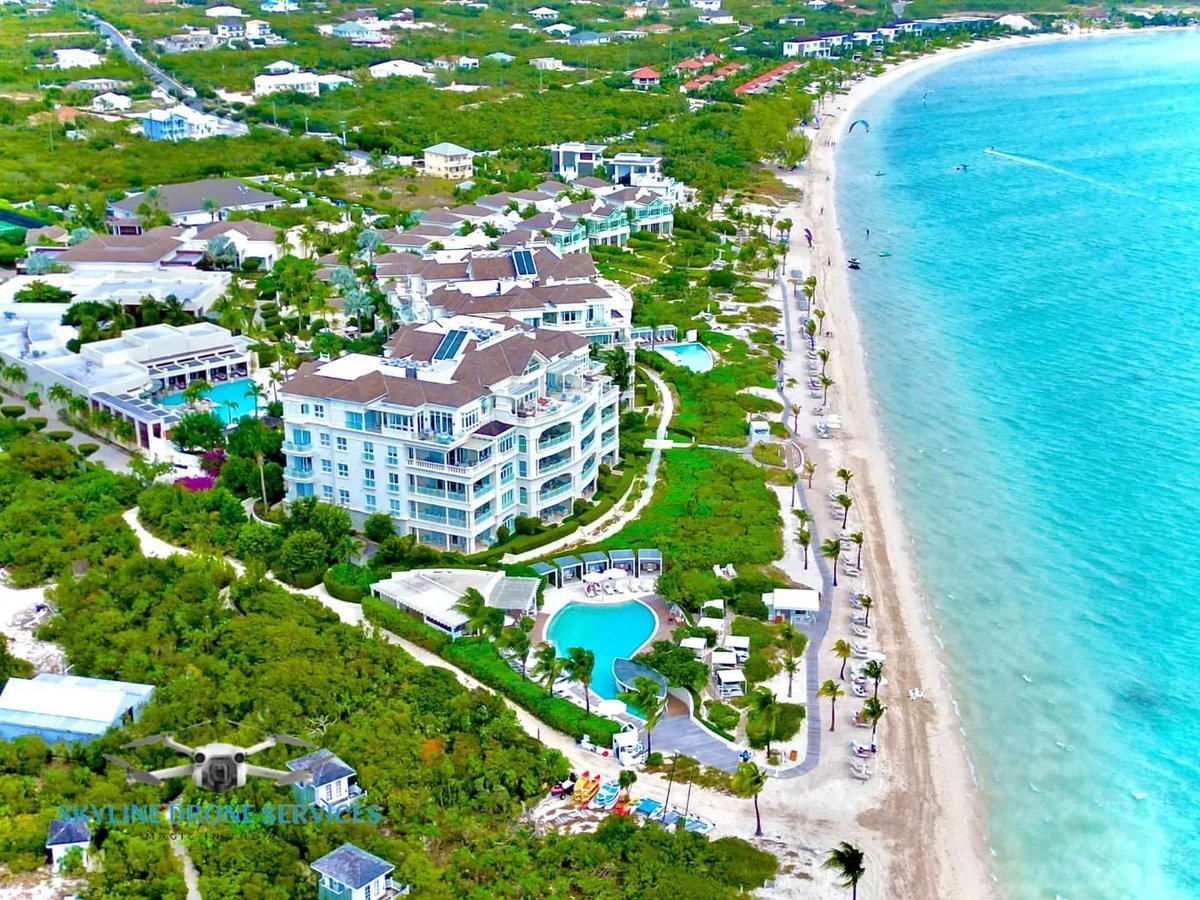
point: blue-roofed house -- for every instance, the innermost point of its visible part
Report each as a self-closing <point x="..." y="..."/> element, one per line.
<point x="68" y="708"/>
<point x="333" y="785"/>
<point x="64" y="836"/>
<point x="446" y="160"/>
<point x="349" y="873"/>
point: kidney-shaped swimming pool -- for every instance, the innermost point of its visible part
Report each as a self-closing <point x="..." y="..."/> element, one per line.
<point x="609" y="630"/>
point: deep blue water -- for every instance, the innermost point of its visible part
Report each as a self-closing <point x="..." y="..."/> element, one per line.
<point x="1034" y="342"/>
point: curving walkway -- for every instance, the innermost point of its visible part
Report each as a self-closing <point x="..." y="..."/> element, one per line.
<point x="617" y="517"/>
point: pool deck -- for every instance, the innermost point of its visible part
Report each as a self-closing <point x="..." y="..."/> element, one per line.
<point x="557" y="598"/>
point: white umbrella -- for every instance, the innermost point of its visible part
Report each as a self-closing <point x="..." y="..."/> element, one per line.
<point x="610" y="708"/>
<point x="615" y="573"/>
<point x="593" y="577"/>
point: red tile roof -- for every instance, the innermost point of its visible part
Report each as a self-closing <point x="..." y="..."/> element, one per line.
<point x="645" y="72"/>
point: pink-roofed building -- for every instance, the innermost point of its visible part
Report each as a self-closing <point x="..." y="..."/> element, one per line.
<point x="646" y="78"/>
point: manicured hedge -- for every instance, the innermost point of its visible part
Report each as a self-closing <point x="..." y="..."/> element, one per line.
<point x="87" y="449"/>
<point x="37" y="423"/>
<point x="480" y="660"/>
<point x="349" y="582"/>
<point x="60" y="435"/>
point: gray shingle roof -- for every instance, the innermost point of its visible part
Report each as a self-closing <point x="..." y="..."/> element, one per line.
<point x="189" y="197"/>
<point x="325" y="766"/>
<point x="68" y="831"/>
<point x="351" y="866"/>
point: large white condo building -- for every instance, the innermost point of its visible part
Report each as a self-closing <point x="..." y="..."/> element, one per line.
<point x="465" y="424"/>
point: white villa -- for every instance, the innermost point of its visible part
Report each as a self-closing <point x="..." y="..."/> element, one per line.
<point x="466" y="424"/>
<point x="431" y="595"/>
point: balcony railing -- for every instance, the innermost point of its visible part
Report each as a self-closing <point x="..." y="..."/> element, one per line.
<point x="448" y="469"/>
<point x="546" y="469"/>
<point x="441" y="493"/>
<point x="556" y="441"/>
<point x="301" y="474"/>
<point x="296" y="447"/>
<point x="544" y="495"/>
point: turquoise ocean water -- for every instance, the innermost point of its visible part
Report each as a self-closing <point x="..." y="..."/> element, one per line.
<point x="1034" y="342"/>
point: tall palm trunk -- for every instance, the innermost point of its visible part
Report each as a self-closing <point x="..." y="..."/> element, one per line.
<point x="832" y="713"/>
<point x="757" y="818"/>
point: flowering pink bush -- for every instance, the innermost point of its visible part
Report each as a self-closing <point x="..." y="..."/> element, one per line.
<point x="197" y="482"/>
<point x="212" y="461"/>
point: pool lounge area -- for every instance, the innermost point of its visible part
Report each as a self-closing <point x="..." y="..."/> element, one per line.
<point x="694" y="356"/>
<point x="228" y="399"/>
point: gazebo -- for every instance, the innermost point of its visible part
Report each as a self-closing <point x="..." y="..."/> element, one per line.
<point x="594" y="561"/>
<point x="649" y="562"/>
<point x="623" y="559"/>
<point x="551" y="574"/>
<point x="570" y="569"/>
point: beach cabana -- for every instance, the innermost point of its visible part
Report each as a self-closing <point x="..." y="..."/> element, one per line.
<point x="550" y="573"/>
<point x="731" y="683"/>
<point x="717" y="625"/>
<point x="623" y="559"/>
<point x="738" y="643"/>
<point x="792" y="604"/>
<point x="666" y="333"/>
<point x="570" y="569"/>
<point x="713" y="608"/>
<point x="594" y="561"/>
<point x="723" y="659"/>
<point x="649" y="563"/>
<point x="696" y="644"/>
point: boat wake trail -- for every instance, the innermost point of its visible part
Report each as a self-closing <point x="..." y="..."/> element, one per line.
<point x="1076" y="176"/>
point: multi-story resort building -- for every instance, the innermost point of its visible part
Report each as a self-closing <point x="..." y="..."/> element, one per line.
<point x="539" y="287"/>
<point x="465" y="424"/>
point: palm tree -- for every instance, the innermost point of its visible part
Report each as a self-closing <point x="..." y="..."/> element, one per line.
<point x="867" y="602"/>
<point x="831" y="550"/>
<point x="748" y="781"/>
<point x="124" y="431"/>
<point x="874" y="670"/>
<point x="34" y="399"/>
<point x="810" y="469"/>
<point x="803" y="516"/>
<point x="820" y="314"/>
<point x="546" y="664"/>
<point x="831" y="690"/>
<point x="474" y="607"/>
<point x="13" y="373"/>
<point x="580" y="665"/>
<point x="516" y="640"/>
<point x="784" y="226"/>
<point x="857" y="540"/>
<point x="78" y="406"/>
<point x="846" y="475"/>
<point x="212" y="207"/>
<point x="626" y="778"/>
<point x="844" y="501"/>
<point x="791" y="478"/>
<point x="790" y="665"/>
<point x="795" y="411"/>
<point x="842" y="650"/>
<point x="258" y="392"/>
<point x="804" y="538"/>
<point x="195" y="390"/>
<point x="764" y="705"/>
<point x="103" y="420"/>
<point x="823" y="356"/>
<point x="810" y="329"/>
<point x="847" y="861"/>
<point x="60" y="394"/>
<point x="872" y="712"/>
<point x="647" y="700"/>
<point x="826" y="384"/>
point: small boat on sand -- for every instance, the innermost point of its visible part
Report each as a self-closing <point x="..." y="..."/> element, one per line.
<point x="606" y="796"/>
<point x="586" y="788"/>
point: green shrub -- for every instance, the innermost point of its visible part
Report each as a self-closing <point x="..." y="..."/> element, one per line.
<point x="768" y="454"/>
<point x="723" y="716"/>
<point x="37" y="423"/>
<point x="251" y="264"/>
<point x="654" y="759"/>
<point x="12" y="410"/>
<point x="87" y="449"/>
<point x="58" y="435"/>
<point x="379" y="527"/>
<point x="349" y="582"/>
<point x="479" y="659"/>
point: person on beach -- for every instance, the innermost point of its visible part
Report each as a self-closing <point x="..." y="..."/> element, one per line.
<point x="868" y="234"/>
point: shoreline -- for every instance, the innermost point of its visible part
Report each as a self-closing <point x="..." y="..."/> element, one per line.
<point x="925" y="783"/>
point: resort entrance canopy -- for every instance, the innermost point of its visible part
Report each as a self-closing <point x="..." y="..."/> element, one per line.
<point x="571" y="568"/>
<point x="549" y="573"/>
<point x="623" y="560"/>
<point x="595" y="562"/>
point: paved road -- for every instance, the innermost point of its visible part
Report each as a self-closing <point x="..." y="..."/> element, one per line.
<point x="689" y="737"/>
<point x="165" y="81"/>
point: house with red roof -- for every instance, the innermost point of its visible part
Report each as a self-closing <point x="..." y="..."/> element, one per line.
<point x="645" y="78"/>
